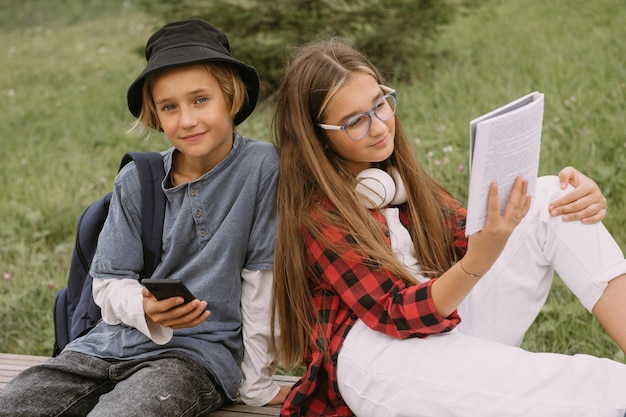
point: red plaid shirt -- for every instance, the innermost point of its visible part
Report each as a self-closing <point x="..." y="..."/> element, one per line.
<point x="345" y="291"/>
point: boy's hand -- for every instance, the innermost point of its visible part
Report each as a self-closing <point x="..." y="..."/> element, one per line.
<point x="172" y="313"/>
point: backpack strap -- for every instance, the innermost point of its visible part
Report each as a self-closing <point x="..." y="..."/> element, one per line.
<point x="151" y="175"/>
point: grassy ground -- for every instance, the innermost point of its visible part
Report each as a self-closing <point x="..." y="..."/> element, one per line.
<point x="66" y="66"/>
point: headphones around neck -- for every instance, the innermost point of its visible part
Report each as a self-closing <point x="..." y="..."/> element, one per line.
<point x="378" y="189"/>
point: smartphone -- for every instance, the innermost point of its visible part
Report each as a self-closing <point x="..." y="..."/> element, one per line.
<point x="167" y="288"/>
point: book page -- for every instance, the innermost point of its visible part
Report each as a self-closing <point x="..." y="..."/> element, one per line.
<point x="504" y="144"/>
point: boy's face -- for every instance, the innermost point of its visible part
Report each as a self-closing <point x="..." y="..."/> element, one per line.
<point x="194" y="114"/>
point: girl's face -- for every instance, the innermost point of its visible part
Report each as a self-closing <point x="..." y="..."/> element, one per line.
<point x="194" y="114"/>
<point x="359" y="96"/>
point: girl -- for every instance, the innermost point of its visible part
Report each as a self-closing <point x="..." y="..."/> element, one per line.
<point x="368" y="295"/>
<point x="166" y="358"/>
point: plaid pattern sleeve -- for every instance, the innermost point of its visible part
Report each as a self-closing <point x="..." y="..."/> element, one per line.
<point x="347" y="287"/>
<point x="381" y="300"/>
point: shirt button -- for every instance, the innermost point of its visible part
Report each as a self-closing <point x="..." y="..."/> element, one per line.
<point x="198" y="213"/>
<point x="354" y="316"/>
<point x="202" y="233"/>
<point x="387" y="234"/>
<point x="194" y="192"/>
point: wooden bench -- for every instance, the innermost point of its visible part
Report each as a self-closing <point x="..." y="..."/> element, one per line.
<point x="11" y="365"/>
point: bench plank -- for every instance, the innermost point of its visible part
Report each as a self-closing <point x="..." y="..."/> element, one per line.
<point x="240" y="410"/>
<point x="13" y="364"/>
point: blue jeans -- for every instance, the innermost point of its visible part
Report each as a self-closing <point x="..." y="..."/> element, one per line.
<point x="75" y="384"/>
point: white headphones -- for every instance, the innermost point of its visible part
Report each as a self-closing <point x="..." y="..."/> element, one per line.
<point x="377" y="189"/>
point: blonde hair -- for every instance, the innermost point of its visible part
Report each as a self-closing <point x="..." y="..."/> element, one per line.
<point x="233" y="88"/>
<point x="308" y="165"/>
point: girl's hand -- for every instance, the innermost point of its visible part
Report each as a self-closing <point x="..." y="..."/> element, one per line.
<point x="585" y="202"/>
<point x="485" y="246"/>
<point x="172" y="313"/>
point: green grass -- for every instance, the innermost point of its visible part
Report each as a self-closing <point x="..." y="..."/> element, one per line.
<point x="66" y="66"/>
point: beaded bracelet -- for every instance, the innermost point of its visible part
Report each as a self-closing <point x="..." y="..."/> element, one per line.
<point x="469" y="273"/>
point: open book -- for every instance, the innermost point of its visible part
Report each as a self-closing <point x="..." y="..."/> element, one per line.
<point x="504" y="143"/>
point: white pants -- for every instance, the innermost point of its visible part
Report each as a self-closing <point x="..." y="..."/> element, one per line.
<point x="478" y="370"/>
<point x="506" y="301"/>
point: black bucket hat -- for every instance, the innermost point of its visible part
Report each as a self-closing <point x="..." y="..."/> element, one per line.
<point x="192" y="42"/>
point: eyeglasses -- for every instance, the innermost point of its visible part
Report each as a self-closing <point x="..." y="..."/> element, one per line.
<point x="359" y="125"/>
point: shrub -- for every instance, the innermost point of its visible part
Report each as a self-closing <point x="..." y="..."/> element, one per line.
<point x="396" y="34"/>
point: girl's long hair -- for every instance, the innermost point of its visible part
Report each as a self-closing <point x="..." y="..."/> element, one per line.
<point x="310" y="170"/>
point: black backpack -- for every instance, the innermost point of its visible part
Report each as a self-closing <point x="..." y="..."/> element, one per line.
<point x="75" y="311"/>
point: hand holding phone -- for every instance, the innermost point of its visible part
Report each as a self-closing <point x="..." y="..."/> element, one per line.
<point x="163" y="289"/>
<point x="167" y="288"/>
